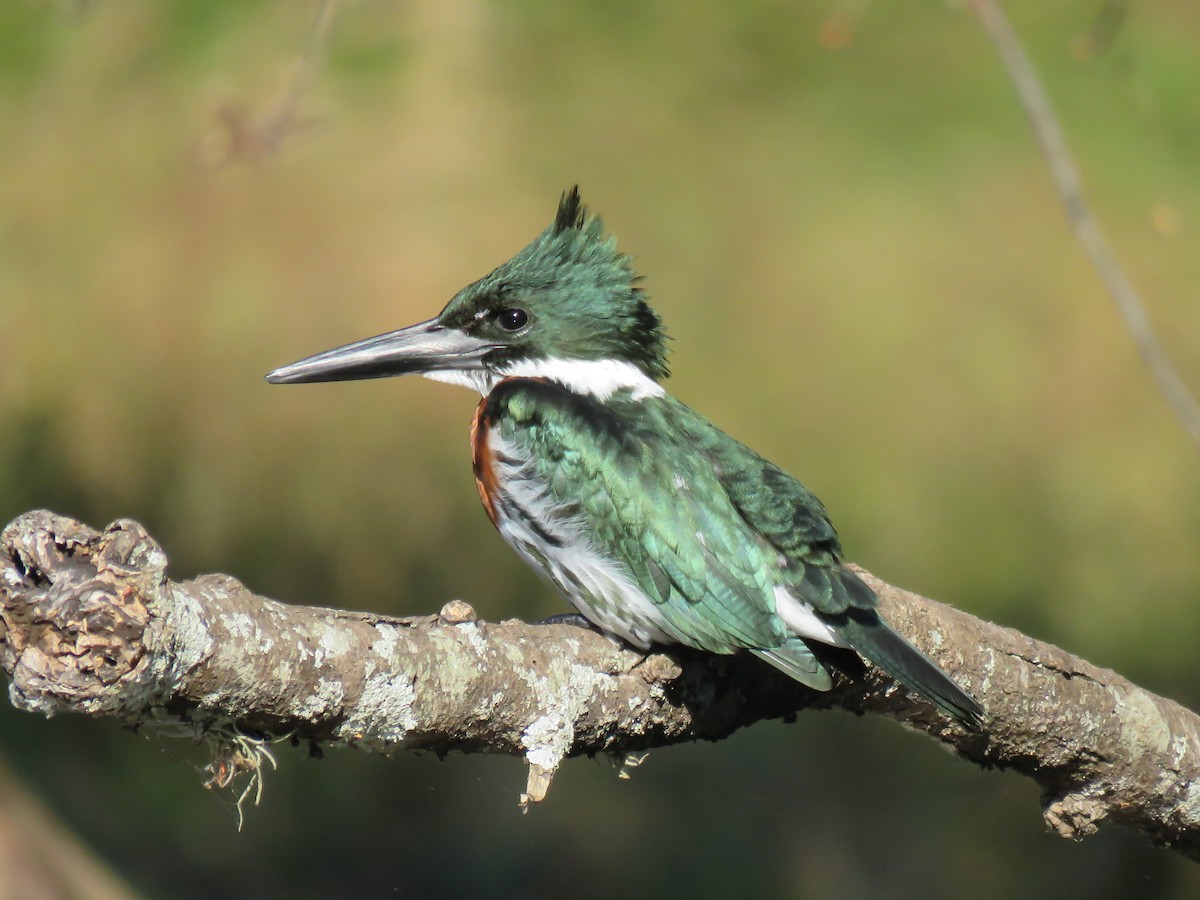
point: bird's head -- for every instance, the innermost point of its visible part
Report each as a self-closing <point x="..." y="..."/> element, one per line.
<point x="565" y="307"/>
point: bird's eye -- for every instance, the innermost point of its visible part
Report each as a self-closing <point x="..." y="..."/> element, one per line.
<point x="512" y="319"/>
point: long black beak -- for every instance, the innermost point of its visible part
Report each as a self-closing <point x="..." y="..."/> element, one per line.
<point x="426" y="347"/>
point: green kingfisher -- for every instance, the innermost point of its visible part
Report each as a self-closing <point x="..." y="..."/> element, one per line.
<point x="655" y="524"/>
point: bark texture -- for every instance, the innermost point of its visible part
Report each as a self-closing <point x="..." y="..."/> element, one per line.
<point x="90" y="623"/>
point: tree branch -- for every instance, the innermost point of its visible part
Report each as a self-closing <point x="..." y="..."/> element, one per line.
<point x="89" y="622"/>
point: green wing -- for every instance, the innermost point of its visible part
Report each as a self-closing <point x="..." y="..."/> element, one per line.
<point x="647" y="499"/>
<point x="792" y="520"/>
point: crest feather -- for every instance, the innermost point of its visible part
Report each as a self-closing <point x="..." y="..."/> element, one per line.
<point x="571" y="212"/>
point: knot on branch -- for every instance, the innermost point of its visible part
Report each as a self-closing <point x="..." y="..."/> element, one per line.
<point x="1074" y="816"/>
<point x="73" y="613"/>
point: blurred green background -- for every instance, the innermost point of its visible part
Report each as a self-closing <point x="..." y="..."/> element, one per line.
<point x="869" y="279"/>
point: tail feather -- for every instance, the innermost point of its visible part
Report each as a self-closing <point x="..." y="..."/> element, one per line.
<point x="875" y="640"/>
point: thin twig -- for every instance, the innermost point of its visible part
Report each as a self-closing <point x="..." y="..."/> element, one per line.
<point x="243" y="135"/>
<point x="1066" y="177"/>
<point x="285" y="118"/>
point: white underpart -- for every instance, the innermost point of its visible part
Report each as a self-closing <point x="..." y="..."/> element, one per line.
<point x="599" y="378"/>
<point x="597" y="586"/>
<point x="799" y="617"/>
<point x="482" y="380"/>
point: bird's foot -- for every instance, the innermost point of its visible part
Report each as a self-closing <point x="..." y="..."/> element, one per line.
<point x="580" y="621"/>
<point x="572" y="618"/>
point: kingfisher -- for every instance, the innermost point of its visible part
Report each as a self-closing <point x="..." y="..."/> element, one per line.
<point x="655" y="524"/>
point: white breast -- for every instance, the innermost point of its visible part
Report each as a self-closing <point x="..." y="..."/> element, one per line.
<point x="553" y="541"/>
